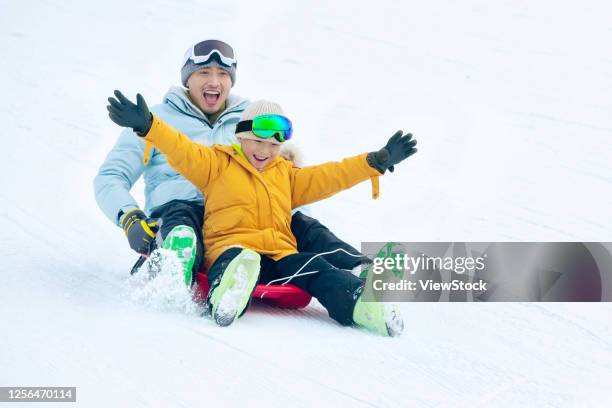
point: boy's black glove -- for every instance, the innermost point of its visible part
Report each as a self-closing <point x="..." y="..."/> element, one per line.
<point x="125" y="113"/>
<point x="139" y="230"/>
<point x="398" y="148"/>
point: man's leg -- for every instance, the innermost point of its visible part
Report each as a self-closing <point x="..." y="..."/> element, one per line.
<point x="312" y="236"/>
<point x="181" y="223"/>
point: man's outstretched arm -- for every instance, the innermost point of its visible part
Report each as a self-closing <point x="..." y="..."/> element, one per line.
<point x="121" y="169"/>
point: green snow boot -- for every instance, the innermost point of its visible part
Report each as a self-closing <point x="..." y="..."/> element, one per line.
<point x="229" y="298"/>
<point x="381" y="318"/>
<point x="182" y="240"/>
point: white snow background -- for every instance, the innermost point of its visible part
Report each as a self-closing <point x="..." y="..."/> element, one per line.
<point x="509" y="101"/>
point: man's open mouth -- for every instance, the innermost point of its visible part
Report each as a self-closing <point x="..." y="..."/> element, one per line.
<point x="260" y="159"/>
<point x="211" y="97"/>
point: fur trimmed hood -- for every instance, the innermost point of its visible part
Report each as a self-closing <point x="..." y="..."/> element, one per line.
<point x="291" y="152"/>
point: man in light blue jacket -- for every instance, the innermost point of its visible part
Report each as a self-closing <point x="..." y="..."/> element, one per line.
<point x="206" y="112"/>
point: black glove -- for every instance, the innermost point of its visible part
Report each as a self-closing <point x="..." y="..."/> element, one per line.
<point x="140" y="230"/>
<point x="125" y="113"/>
<point x="398" y="148"/>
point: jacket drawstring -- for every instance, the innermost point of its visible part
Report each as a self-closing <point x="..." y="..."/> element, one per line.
<point x="375" y="187"/>
<point x="147" y="151"/>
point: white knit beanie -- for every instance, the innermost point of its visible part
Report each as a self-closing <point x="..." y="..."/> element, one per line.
<point x="261" y="107"/>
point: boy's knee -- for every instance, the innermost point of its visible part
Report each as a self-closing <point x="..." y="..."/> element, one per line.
<point x="301" y="224"/>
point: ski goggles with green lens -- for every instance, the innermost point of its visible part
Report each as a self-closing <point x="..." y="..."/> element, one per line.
<point x="267" y="126"/>
<point x="203" y="51"/>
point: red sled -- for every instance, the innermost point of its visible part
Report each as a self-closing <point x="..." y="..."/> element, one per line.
<point x="284" y="296"/>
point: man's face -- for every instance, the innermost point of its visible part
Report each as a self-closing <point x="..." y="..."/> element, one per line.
<point x="260" y="152"/>
<point x="209" y="89"/>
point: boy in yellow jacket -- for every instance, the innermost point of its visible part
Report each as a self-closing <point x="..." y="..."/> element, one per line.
<point x="250" y="191"/>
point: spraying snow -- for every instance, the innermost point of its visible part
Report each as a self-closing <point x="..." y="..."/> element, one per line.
<point x="160" y="285"/>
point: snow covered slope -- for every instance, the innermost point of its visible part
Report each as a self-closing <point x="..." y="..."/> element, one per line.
<point x="510" y="103"/>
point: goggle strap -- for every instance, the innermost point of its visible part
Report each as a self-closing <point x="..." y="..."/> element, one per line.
<point x="244" y="126"/>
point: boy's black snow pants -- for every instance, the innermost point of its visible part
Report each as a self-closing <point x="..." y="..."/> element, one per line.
<point x="336" y="289"/>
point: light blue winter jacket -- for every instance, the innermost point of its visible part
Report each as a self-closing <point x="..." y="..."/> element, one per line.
<point x="124" y="164"/>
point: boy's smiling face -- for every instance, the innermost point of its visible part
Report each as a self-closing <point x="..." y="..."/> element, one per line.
<point x="259" y="152"/>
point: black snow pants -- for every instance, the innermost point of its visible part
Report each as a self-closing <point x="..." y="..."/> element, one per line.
<point x="336" y="289"/>
<point x="312" y="236"/>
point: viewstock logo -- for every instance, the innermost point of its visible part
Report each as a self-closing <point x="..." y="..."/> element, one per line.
<point x="491" y="272"/>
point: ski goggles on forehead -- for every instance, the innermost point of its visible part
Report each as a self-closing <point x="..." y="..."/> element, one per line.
<point x="267" y="126"/>
<point x="203" y="51"/>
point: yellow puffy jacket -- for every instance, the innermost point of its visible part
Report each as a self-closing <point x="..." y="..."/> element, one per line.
<point x="248" y="208"/>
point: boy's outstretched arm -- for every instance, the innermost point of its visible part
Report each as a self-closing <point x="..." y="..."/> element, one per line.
<point x="196" y="162"/>
<point x="314" y="183"/>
